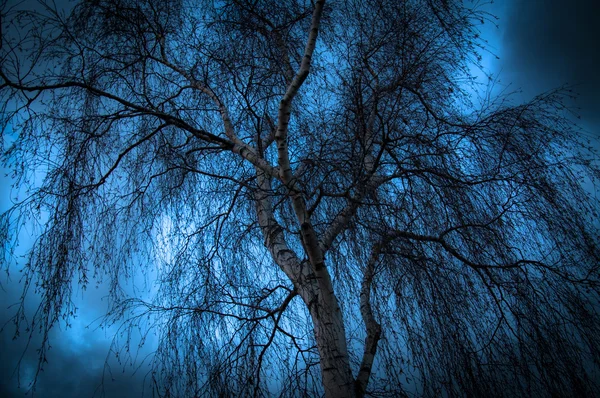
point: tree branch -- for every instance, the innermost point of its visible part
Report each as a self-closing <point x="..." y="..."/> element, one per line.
<point x="309" y="237"/>
<point x="373" y="328"/>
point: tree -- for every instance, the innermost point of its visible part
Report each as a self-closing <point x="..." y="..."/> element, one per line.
<point x="325" y="205"/>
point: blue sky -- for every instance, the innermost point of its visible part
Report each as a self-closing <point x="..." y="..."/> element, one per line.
<point x="541" y="44"/>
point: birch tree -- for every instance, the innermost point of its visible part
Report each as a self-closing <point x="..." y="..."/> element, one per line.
<point x="324" y="203"/>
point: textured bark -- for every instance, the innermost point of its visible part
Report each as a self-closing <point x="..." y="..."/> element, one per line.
<point x="316" y="290"/>
<point x="331" y="341"/>
<point x="320" y="298"/>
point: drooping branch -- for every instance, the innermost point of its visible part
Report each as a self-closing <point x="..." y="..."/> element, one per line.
<point x="237" y="147"/>
<point x="481" y="245"/>
<point x="343" y="219"/>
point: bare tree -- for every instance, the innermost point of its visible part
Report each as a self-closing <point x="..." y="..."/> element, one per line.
<point x="326" y="206"/>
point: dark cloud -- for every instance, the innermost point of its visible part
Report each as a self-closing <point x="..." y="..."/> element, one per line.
<point x="550" y="43"/>
<point x="80" y="362"/>
<point x="71" y="371"/>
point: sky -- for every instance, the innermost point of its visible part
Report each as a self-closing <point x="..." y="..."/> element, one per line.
<point x="541" y="44"/>
<point x="549" y="43"/>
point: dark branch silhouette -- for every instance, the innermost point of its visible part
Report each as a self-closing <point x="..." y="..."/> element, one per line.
<point x="324" y="202"/>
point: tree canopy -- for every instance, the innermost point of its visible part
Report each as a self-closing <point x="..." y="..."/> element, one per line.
<point x="324" y="202"/>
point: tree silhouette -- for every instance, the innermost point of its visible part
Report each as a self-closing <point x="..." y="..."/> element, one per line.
<point x="325" y="204"/>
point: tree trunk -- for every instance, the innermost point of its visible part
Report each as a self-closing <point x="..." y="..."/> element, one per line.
<point x="330" y="335"/>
